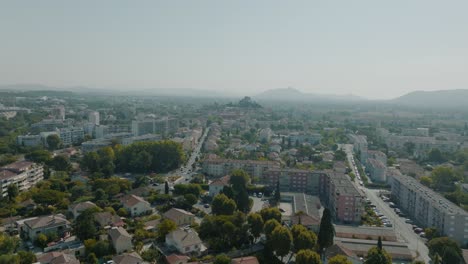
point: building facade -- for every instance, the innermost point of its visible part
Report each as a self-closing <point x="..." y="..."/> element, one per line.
<point x="342" y="197"/>
<point x="23" y="174"/>
<point x="293" y="180"/>
<point x="222" y="167"/>
<point x="430" y="209"/>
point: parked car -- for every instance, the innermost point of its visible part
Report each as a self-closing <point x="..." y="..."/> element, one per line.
<point x="408" y="221"/>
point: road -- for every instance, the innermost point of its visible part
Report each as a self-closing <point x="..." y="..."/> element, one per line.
<point x="186" y="171"/>
<point x="403" y="230"/>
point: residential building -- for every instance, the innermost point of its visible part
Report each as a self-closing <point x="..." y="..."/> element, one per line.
<point x="129" y="258"/>
<point x="142" y="138"/>
<point x="377" y="155"/>
<point x="164" y="126"/>
<point x="94" y="145"/>
<point x="292" y="180"/>
<point x="245" y="260"/>
<point x="342" y="197"/>
<point x="430" y="209"/>
<point x="377" y="170"/>
<point x="177" y="259"/>
<point x="107" y="220"/>
<point x="23" y="174"/>
<point x="221" y="167"/>
<point x="135" y="205"/>
<point x="29" y="140"/>
<point x="77" y="208"/>
<point x="399" y="251"/>
<point x="265" y="134"/>
<point x="179" y="216"/>
<point x="217" y="185"/>
<point x="360" y="146"/>
<point x="121" y="240"/>
<point x="58" y="112"/>
<point x="32" y="227"/>
<point x="48" y="124"/>
<point x="72" y="135"/>
<point x="185" y="241"/>
<point x="365" y="232"/>
<point x="93" y="118"/>
<point x="297" y="137"/>
<point x="310" y="222"/>
<point x="57" y="257"/>
<point x="339" y="249"/>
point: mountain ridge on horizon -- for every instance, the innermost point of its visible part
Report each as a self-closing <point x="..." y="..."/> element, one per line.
<point x="439" y="98"/>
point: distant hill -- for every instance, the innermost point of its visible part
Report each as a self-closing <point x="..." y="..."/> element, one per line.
<point x="291" y="94"/>
<point x="434" y="99"/>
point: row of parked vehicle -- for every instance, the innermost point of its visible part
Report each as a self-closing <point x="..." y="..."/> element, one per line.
<point x="385" y="221"/>
<point x="416" y="229"/>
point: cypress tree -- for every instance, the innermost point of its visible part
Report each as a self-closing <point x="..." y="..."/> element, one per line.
<point x="326" y="231"/>
<point x="379" y="243"/>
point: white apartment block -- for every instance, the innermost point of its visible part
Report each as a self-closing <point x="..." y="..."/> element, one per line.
<point x="72" y="135"/>
<point x="93" y="118"/>
<point x="430" y="209"/>
<point x="24" y="174"/>
<point x="222" y="167"/>
<point x="163" y="126"/>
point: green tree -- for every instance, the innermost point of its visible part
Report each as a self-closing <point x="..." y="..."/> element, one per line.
<point x="409" y="147"/>
<point x="280" y="241"/>
<point x="270" y="213"/>
<point x="239" y="178"/>
<point x="8" y="244"/>
<point x="435" y="155"/>
<point x="426" y="181"/>
<point x="150" y="255"/>
<point x="166" y="187"/>
<point x="379" y="243"/>
<point x="305" y="240"/>
<point x="222" y="205"/>
<point x="53" y="142"/>
<point x="165" y="227"/>
<point x="27" y="257"/>
<point x="326" y="231"/>
<point x="445" y="247"/>
<point x="222" y="259"/>
<point x="9" y="259"/>
<point x="41" y="240"/>
<point x="39" y="156"/>
<point x="307" y="256"/>
<point x="60" y="163"/>
<point x="84" y="225"/>
<point x="339" y="259"/>
<point x="444" y="178"/>
<point x="12" y="191"/>
<point x="92" y="259"/>
<point x="431" y="232"/>
<point x="190" y="199"/>
<point x="269" y="226"/>
<point x="378" y="256"/>
<point x="255" y="224"/>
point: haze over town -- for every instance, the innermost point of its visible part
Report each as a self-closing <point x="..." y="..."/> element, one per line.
<point x="377" y="50"/>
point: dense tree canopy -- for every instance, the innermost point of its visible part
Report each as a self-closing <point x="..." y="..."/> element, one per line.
<point x="161" y="156"/>
<point x="376" y="255"/>
<point x="339" y="259"/>
<point x="222" y="205"/>
<point x="445" y="247"/>
<point x="307" y="256"/>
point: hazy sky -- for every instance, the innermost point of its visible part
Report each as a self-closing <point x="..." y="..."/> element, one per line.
<point x="376" y="49"/>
